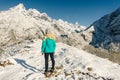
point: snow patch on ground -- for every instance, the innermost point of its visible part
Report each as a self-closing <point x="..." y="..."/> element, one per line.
<point x="29" y="65"/>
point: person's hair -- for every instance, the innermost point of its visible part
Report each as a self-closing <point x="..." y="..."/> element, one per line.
<point x="49" y="31"/>
<point x="49" y="34"/>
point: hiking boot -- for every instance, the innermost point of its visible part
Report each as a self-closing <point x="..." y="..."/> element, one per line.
<point x="46" y="74"/>
<point x="52" y="70"/>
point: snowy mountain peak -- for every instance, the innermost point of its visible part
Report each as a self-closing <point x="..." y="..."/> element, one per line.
<point x="27" y="24"/>
<point x="33" y="11"/>
<point x="19" y="7"/>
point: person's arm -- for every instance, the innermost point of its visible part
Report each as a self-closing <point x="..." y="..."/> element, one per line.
<point x="55" y="44"/>
<point x="43" y="46"/>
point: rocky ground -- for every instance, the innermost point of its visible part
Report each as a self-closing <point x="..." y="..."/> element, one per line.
<point x="27" y="63"/>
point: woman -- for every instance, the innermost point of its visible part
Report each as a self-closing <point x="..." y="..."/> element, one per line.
<point x="48" y="49"/>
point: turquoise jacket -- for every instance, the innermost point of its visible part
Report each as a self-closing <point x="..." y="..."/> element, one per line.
<point x="48" y="45"/>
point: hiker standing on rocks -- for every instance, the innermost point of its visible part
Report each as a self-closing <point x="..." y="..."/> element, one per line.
<point x="48" y="49"/>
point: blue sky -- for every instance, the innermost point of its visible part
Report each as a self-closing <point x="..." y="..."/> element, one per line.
<point x="85" y="12"/>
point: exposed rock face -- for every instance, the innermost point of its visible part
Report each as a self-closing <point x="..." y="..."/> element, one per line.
<point x="107" y="31"/>
<point x="17" y="24"/>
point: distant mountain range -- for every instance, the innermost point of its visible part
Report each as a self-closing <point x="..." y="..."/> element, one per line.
<point x="18" y="24"/>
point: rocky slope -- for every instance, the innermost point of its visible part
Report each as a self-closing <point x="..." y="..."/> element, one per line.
<point x="71" y="64"/>
<point x="18" y="24"/>
<point x="106" y="32"/>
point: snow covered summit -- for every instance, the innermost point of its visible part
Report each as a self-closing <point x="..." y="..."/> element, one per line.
<point x="18" y="24"/>
<point x="19" y="7"/>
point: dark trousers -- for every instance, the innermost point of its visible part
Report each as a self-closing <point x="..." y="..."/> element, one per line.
<point x="46" y="55"/>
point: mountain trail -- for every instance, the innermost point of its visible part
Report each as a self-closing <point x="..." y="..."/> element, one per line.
<point x="71" y="64"/>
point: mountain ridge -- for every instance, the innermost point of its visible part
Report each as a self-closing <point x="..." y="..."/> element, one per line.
<point x="28" y="24"/>
<point x="107" y="31"/>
